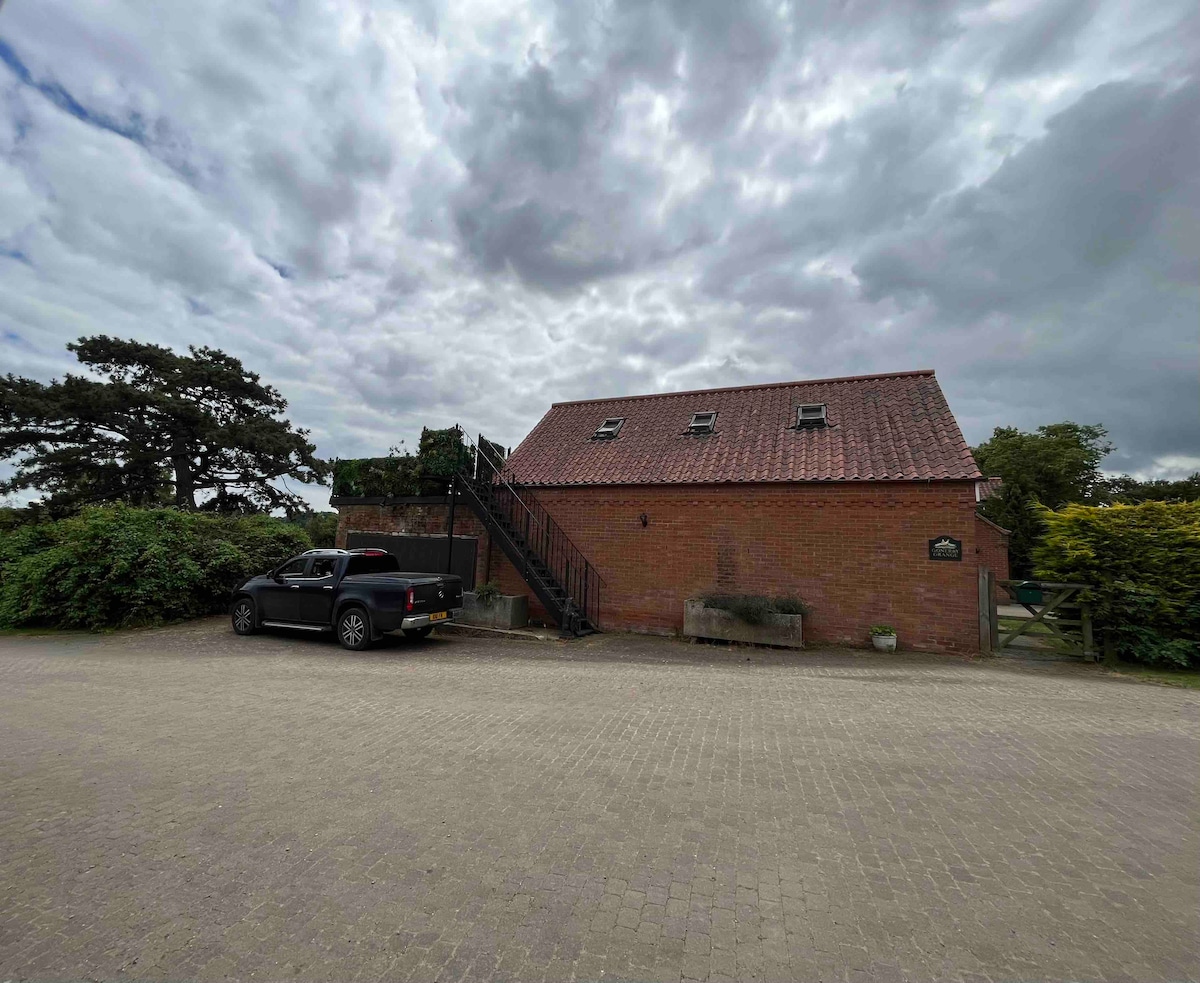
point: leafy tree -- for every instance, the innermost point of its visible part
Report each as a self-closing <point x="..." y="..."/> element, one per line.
<point x="1129" y="491"/>
<point x="1056" y="464"/>
<point x="320" y="527"/>
<point x="1016" y="510"/>
<point x="162" y="428"/>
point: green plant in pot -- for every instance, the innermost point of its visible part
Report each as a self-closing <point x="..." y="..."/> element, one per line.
<point x="883" y="637"/>
<point x="487" y="594"/>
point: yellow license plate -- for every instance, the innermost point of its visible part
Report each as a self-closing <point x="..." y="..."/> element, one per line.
<point x="440" y="616"/>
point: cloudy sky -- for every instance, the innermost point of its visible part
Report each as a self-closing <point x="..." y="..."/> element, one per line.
<point x="429" y="212"/>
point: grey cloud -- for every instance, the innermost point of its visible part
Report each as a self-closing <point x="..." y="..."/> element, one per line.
<point x="1044" y="38"/>
<point x="729" y="52"/>
<point x="482" y="209"/>
<point x="1057" y="217"/>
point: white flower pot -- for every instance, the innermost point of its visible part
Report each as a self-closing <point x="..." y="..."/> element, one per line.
<point x="884" y="643"/>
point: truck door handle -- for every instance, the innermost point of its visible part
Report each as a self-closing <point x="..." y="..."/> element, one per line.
<point x="327" y="587"/>
<point x="295" y="586"/>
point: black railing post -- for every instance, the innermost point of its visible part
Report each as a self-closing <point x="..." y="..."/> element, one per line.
<point x="450" y="534"/>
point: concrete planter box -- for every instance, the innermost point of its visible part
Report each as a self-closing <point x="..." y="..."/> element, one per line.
<point x="506" y="611"/>
<point x="777" y="629"/>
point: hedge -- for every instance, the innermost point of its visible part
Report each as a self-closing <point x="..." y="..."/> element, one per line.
<point x="118" y="566"/>
<point x="1144" y="564"/>
<point x="441" y="454"/>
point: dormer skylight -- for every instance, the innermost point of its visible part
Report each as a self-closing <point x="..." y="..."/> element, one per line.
<point x="609" y="428"/>
<point x="811" y="415"/>
<point x="704" y="422"/>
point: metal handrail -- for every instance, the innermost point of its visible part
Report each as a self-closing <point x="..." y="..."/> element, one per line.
<point x="544" y="540"/>
<point x="480" y="455"/>
<point x="513" y="488"/>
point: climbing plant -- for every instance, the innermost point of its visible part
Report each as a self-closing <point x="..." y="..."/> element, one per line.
<point x="440" y="455"/>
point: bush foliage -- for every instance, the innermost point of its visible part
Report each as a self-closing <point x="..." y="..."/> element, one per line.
<point x="441" y="454"/>
<point x="120" y="566"/>
<point x="488" y="594"/>
<point x="754" y="608"/>
<point x="1144" y="563"/>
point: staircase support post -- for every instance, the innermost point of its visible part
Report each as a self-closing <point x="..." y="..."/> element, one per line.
<point x="450" y="534"/>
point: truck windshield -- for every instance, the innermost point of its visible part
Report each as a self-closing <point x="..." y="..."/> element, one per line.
<point x="371" y="564"/>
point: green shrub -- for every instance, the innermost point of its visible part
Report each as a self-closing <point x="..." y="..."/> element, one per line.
<point x="754" y="608"/>
<point x="441" y="454"/>
<point x="1143" y="562"/>
<point x="375" y="477"/>
<point x="487" y="594"/>
<point x="14" y="518"/>
<point x="882" y="630"/>
<point x="320" y="527"/>
<point x="789" y="604"/>
<point x="118" y="566"/>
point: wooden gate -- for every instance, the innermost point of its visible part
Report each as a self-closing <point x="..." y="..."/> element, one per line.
<point x="1039" y="617"/>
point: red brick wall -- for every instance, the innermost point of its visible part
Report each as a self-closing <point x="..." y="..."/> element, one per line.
<point x="511" y="582"/>
<point x="991" y="549"/>
<point x="416" y="520"/>
<point x="857" y="553"/>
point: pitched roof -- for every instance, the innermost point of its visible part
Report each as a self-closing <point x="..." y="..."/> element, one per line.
<point x="989" y="488"/>
<point x="881" y="427"/>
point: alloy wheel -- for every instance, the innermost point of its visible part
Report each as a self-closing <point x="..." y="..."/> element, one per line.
<point x="243" y="617"/>
<point x="354" y="629"/>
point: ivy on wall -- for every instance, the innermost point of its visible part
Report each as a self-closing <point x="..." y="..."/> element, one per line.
<point x="441" y="454"/>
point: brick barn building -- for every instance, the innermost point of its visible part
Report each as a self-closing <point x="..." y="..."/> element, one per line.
<point x="857" y="494"/>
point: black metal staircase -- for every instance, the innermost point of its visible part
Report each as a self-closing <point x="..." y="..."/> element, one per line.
<point x="558" y="573"/>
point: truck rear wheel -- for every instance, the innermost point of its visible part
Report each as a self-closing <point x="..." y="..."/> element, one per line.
<point x="354" y="629"/>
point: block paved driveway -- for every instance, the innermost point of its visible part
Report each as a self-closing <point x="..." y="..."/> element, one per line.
<point x="183" y="803"/>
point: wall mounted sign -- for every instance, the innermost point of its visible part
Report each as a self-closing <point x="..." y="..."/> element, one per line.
<point x="945" y="548"/>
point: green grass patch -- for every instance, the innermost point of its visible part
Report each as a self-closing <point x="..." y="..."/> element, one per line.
<point x="1184" y="678"/>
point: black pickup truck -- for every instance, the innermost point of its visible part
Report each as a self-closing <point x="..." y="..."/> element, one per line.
<point x="360" y="594"/>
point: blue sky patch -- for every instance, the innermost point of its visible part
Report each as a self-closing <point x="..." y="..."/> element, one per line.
<point x="134" y="129"/>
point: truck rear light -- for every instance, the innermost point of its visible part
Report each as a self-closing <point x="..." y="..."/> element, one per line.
<point x="410" y="597"/>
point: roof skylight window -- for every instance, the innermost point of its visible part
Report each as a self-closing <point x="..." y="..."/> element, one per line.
<point x="609" y="428"/>
<point x="811" y="415"/>
<point x="703" y="422"/>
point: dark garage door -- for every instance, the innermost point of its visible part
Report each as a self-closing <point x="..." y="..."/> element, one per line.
<point x="423" y="554"/>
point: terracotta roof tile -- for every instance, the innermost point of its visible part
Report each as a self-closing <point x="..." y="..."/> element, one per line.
<point x="884" y="427"/>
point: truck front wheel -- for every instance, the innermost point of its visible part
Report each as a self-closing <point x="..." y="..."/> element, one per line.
<point x="243" y="616"/>
<point x="354" y="629"/>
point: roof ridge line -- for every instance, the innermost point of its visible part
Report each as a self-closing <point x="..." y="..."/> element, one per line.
<point x="762" y="385"/>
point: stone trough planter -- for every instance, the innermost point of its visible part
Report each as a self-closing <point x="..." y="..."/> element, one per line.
<point x="776" y="629"/>
<point x="506" y="611"/>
